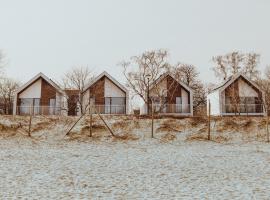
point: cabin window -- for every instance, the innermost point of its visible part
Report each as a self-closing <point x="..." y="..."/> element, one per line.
<point x="115" y="105"/>
<point x="29" y="105"/>
<point x="178" y="106"/>
<point x="52" y="104"/>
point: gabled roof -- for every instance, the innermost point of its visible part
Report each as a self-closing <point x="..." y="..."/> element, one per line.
<point x="163" y="76"/>
<point x="109" y="77"/>
<point x="231" y="79"/>
<point x="40" y="75"/>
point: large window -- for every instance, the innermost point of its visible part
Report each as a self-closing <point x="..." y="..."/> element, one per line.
<point x="52" y="104"/>
<point x="115" y="105"/>
<point x="178" y="105"/>
<point x="29" y="105"/>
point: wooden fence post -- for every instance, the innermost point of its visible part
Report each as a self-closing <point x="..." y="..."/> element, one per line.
<point x="30" y="123"/>
<point x="209" y="120"/>
<point x="152" y="128"/>
<point x="90" y="125"/>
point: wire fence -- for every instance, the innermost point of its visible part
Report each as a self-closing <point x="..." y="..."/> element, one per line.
<point x="209" y="125"/>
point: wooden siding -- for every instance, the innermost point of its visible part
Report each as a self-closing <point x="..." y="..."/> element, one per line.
<point x="97" y="91"/>
<point x="174" y="90"/>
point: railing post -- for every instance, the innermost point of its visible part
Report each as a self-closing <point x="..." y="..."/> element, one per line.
<point x="209" y="120"/>
<point x="30" y="122"/>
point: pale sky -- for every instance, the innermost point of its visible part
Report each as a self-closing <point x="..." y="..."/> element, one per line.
<point x="51" y="36"/>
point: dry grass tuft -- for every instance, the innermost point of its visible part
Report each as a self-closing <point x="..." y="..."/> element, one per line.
<point x="41" y="126"/>
<point x="220" y="139"/>
<point x="98" y="127"/>
<point x="196" y="137"/>
<point x="168" y="137"/>
<point x="9" y="130"/>
<point x="170" y="125"/>
<point x="195" y="121"/>
<point x="126" y="137"/>
<point x="248" y="123"/>
<point x="227" y="124"/>
<point x="203" y="130"/>
<point x="121" y="125"/>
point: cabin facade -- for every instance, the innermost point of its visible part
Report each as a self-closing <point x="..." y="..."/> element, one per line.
<point x="39" y="96"/>
<point x="105" y="95"/>
<point x="169" y="96"/>
<point x="237" y="96"/>
<point x="73" y="97"/>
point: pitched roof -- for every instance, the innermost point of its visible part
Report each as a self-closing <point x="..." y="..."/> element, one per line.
<point x="163" y="76"/>
<point x="231" y="79"/>
<point x="109" y="77"/>
<point x="40" y="75"/>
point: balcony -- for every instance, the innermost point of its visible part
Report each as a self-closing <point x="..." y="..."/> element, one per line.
<point x="38" y="110"/>
<point x="109" y="109"/>
<point x="172" y="108"/>
<point x="243" y="109"/>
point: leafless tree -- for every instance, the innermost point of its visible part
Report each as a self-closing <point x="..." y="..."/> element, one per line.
<point x="186" y="73"/>
<point x="264" y="83"/>
<point x="235" y="62"/>
<point x="8" y="87"/>
<point x="221" y="69"/>
<point x="77" y="78"/>
<point x="189" y="75"/>
<point x="3" y="63"/>
<point x="141" y="70"/>
<point x="251" y="66"/>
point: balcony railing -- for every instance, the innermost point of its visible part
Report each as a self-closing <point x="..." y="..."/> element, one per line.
<point x="243" y="108"/>
<point x="109" y="109"/>
<point x="171" y="108"/>
<point x="38" y="110"/>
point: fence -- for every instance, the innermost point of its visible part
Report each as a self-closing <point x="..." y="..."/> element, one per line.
<point x="207" y="126"/>
<point x="38" y="110"/>
<point x="243" y="108"/>
<point x="172" y="108"/>
<point x="109" y="109"/>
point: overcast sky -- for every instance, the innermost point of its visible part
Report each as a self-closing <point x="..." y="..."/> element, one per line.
<point x="51" y="36"/>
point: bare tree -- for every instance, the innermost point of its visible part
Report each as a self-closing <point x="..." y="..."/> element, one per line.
<point x="77" y="78"/>
<point x="3" y="63"/>
<point x="189" y="75"/>
<point x="8" y="87"/>
<point x="251" y="66"/>
<point x="141" y="70"/>
<point x="221" y="69"/>
<point x="264" y="84"/>
<point x="235" y="62"/>
<point x="186" y="73"/>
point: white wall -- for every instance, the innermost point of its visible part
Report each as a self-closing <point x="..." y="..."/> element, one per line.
<point x="85" y="99"/>
<point x="215" y="103"/>
<point x="111" y="90"/>
<point x="61" y="103"/>
<point x="33" y="91"/>
<point x="185" y="104"/>
<point x="246" y="90"/>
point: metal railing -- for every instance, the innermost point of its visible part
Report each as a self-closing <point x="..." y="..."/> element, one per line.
<point x="171" y="108"/>
<point x="109" y="109"/>
<point x="38" y="110"/>
<point x="243" y="108"/>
